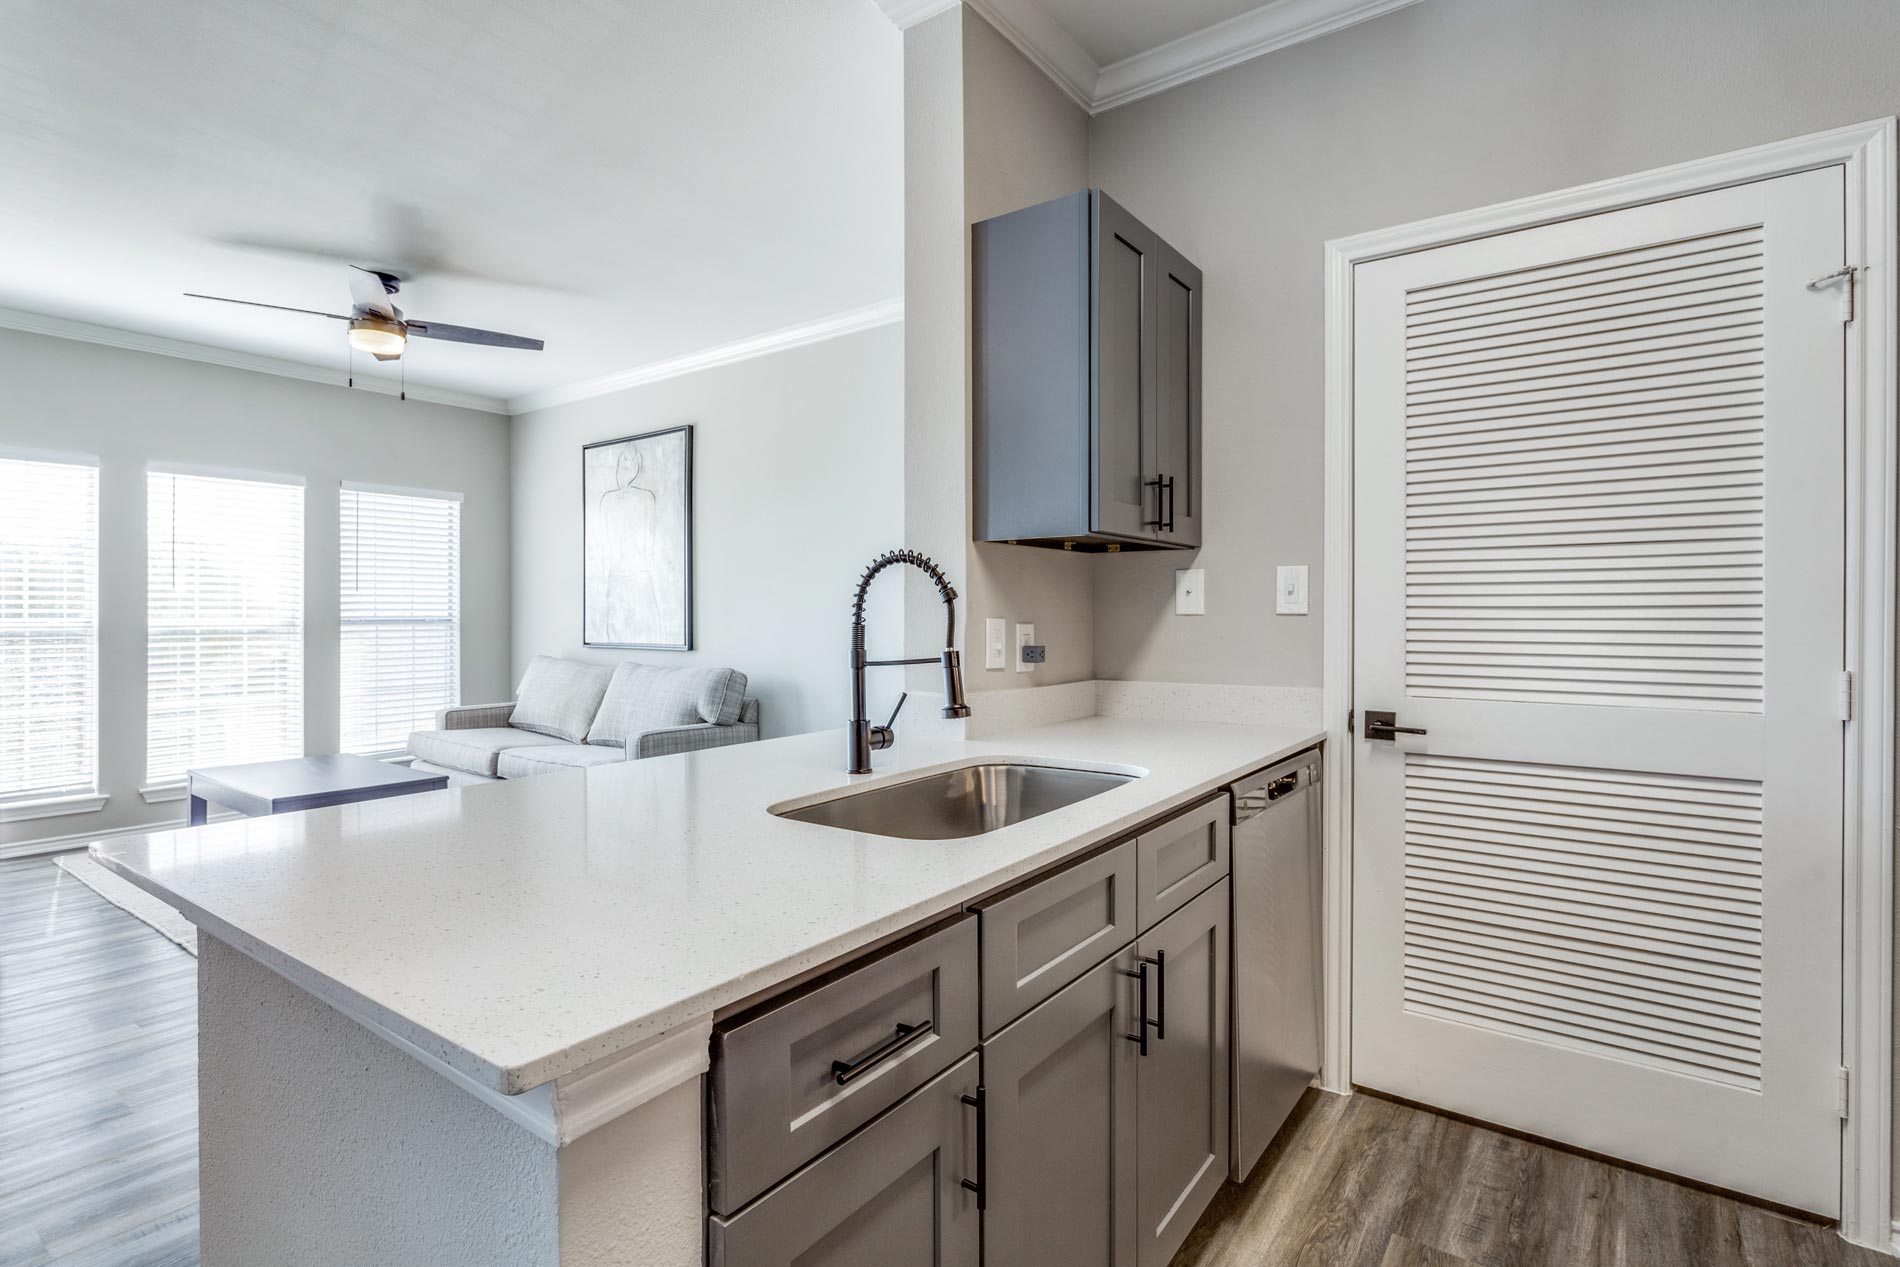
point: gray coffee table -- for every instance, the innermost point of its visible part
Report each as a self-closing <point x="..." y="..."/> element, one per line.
<point x="283" y="787"/>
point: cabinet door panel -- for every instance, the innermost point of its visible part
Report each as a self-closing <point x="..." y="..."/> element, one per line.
<point x="1038" y="939"/>
<point x="1183" y="1081"/>
<point x="1178" y="396"/>
<point x="1060" y="1084"/>
<point x="1183" y="856"/>
<point x="890" y="1194"/>
<point x="1122" y="432"/>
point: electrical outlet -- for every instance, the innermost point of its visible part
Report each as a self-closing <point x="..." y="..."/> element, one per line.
<point x="1289" y="591"/>
<point x="1190" y="591"/>
<point x="1025" y="637"/>
<point x="995" y="643"/>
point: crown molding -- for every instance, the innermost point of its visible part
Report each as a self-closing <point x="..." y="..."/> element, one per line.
<point x="851" y="321"/>
<point x="1027" y="25"/>
<point x="1239" y="39"/>
<point x="180" y="349"/>
<point x="908" y="13"/>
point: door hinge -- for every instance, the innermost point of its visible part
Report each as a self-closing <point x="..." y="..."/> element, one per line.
<point x="1349" y="719"/>
<point x="1845" y="277"/>
<point x="1847" y="695"/>
<point x="1846" y="1100"/>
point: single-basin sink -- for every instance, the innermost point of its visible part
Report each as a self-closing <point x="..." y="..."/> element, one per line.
<point x="952" y="804"/>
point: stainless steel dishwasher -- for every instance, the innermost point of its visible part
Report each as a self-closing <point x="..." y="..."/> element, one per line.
<point x="1276" y="968"/>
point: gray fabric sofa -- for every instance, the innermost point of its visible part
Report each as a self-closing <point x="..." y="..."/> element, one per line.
<point x="568" y="714"/>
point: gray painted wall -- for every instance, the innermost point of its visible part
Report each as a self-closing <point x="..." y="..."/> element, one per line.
<point x="798" y="483"/>
<point x="129" y="409"/>
<point x="1442" y="106"/>
<point x="1024" y="143"/>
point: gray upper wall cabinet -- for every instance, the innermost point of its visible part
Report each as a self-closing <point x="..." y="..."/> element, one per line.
<point x="1087" y="380"/>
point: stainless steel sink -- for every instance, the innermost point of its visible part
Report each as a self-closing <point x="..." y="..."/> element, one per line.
<point x="952" y="804"/>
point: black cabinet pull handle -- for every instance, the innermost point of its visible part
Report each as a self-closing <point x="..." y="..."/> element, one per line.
<point x="981" y="1185"/>
<point x="1160" y="485"/>
<point x="1160" y="962"/>
<point x="844" y="1072"/>
<point x="1169" y="526"/>
<point x="1143" y="1023"/>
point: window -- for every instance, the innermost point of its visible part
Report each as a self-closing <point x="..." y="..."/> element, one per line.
<point x="401" y="604"/>
<point x="49" y="628"/>
<point x="224" y="630"/>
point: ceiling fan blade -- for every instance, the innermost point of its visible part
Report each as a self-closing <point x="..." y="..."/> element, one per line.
<point x="252" y="303"/>
<point x="368" y="291"/>
<point x="467" y="334"/>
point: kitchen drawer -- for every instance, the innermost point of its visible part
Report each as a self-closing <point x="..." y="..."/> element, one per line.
<point x="1039" y="938"/>
<point x="886" y="1028"/>
<point x="1180" y="858"/>
<point x="892" y="1194"/>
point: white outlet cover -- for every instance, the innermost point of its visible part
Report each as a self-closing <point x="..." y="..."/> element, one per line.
<point x="995" y="643"/>
<point x="1025" y="636"/>
<point x="1289" y="590"/>
<point x="1190" y="591"/>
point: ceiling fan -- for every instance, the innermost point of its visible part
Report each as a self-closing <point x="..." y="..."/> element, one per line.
<point x="378" y="327"/>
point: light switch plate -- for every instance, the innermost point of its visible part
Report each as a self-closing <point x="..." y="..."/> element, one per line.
<point x="995" y="643"/>
<point x="1025" y="636"/>
<point x="1289" y="590"/>
<point x="1190" y="591"/>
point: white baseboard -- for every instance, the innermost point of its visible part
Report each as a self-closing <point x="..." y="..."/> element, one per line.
<point x="46" y="845"/>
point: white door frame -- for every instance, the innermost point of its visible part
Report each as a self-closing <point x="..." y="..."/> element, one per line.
<point x="1867" y="150"/>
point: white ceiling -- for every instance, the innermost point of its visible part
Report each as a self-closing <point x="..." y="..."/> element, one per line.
<point x="1106" y="53"/>
<point x="630" y="180"/>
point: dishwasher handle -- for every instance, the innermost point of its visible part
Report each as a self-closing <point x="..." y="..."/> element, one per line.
<point x="1255" y="795"/>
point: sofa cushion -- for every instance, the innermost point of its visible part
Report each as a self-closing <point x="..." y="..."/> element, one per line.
<point x="559" y="697"/>
<point x="473" y="751"/>
<point x="647" y="697"/>
<point x="521" y="763"/>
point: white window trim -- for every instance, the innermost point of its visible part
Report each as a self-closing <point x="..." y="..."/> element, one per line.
<point x="397" y="490"/>
<point x="212" y="471"/>
<point x="1867" y="151"/>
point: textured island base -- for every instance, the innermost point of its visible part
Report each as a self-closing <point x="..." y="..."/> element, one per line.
<point x="322" y="1144"/>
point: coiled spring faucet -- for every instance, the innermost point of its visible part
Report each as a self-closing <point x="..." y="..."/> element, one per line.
<point x="863" y="738"/>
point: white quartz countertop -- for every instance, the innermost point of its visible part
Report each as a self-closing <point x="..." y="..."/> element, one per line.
<point x="520" y="931"/>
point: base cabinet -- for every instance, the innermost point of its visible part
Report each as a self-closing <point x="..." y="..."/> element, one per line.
<point x="1060" y="1094"/>
<point x="893" y="1193"/>
<point x="1182" y="1082"/>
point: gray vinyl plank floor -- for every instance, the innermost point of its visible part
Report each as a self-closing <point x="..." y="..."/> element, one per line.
<point x="99" y="1145"/>
<point x="98" y="1081"/>
<point x="1357" y="1181"/>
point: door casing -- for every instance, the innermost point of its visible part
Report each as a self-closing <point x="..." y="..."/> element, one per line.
<point x="1867" y="152"/>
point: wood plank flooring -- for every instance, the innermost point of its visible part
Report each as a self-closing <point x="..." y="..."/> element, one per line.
<point x="1362" y="1182"/>
<point x="98" y="1081"/>
<point x="99" y="1149"/>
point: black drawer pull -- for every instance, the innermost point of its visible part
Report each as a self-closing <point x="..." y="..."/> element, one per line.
<point x="845" y="1072"/>
<point x="1160" y="961"/>
<point x="1143" y="1022"/>
<point x="981" y="1184"/>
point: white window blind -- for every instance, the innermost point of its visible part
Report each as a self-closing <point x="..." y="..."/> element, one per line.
<point x="49" y="603"/>
<point x="224" y="641"/>
<point x="401" y="605"/>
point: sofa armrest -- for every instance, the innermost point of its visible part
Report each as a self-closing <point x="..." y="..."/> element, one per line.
<point x="671" y="739"/>
<point x="474" y="716"/>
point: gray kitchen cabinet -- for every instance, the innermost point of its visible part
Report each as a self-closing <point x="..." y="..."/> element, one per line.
<point x="1182" y="1081"/>
<point x="1039" y="938"/>
<point x="1060" y="1104"/>
<point x="798" y="1074"/>
<point x="1177" y="860"/>
<point x="1087" y="376"/>
<point x="892" y="1193"/>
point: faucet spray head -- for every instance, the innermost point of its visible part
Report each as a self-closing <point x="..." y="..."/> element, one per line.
<point x="953" y="705"/>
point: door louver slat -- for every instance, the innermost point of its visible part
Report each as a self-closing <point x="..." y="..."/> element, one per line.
<point x="1540" y="469"/>
<point x="1613" y="912"/>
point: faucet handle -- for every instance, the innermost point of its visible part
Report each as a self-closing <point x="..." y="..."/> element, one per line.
<point x="902" y="696"/>
<point x="884" y="736"/>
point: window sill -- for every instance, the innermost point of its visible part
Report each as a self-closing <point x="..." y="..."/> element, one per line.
<point x="160" y="793"/>
<point x="52" y="806"/>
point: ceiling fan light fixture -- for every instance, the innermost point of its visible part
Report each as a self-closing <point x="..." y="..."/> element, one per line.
<point x="377" y="336"/>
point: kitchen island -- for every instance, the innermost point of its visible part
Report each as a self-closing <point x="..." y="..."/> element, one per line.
<point x="469" y="1026"/>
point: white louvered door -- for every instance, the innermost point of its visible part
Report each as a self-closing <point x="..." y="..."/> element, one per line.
<point x="1598" y="558"/>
